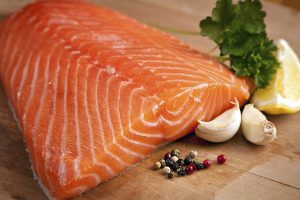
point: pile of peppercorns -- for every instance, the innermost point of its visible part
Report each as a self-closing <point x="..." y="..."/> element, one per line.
<point x="188" y="165"/>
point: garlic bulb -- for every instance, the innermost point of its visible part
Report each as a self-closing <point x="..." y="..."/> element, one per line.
<point x="256" y="128"/>
<point x="223" y="127"/>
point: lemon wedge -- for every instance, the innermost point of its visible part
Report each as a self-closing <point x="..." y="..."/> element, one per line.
<point x="282" y="95"/>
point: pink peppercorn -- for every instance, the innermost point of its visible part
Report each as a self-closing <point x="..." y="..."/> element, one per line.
<point x="207" y="163"/>
<point x="189" y="169"/>
<point x="221" y="159"/>
<point x="168" y="156"/>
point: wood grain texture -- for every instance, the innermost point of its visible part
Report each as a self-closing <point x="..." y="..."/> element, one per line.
<point x="252" y="172"/>
<point x="291" y="3"/>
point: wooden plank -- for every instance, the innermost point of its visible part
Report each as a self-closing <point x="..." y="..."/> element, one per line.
<point x="252" y="172"/>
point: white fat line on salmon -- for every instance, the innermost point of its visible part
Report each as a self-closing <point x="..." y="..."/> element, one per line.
<point x="8" y="38"/>
<point x="173" y="68"/>
<point x="62" y="165"/>
<point x="158" y="135"/>
<point x="68" y="47"/>
<point x="142" y="116"/>
<point x="147" y="123"/>
<point x="175" y="123"/>
<point x="105" y="37"/>
<point x="78" y="190"/>
<point x="195" y="115"/>
<point x="37" y="116"/>
<point x="200" y="75"/>
<point x="115" y="155"/>
<point x="145" y="62"/>
<point x="175" y="98"/>
<point x="90" y="129"/>
<point x="165" y="120"/>
<point x="179" y="74"/>
<point x="191" y="89"/>
<point x="14" y="57"/>
<point x="207" y="101"/>
<point x="192" y="118"/>
<point x="132" y="56"/>
<point x="154" y="112"/>
<point x="183" y="81"/>
<point x="31" y="96"/>
<point x="110" y="154"/>
<point x="26" y="66"/>
<point x="211" y="105"/>
<point x="98" y="113"/>
<point x="102" y="139"/>
<point x="62" y="20"/>
<point x="78" y="159"/>
<point x="220" y="99"/>
<point x="245" y="90"/>
<point x="24" y="75"/>
<point x="44" y="188"/>
<point x="128" y="151"/>
<point x="123" y="84"/>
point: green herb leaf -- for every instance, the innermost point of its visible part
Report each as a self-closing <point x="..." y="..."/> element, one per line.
<point x="239" y="31"/>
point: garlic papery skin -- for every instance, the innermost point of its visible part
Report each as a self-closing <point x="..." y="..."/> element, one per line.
<point x="256" y="128"/>
<point x="223" y="127"/>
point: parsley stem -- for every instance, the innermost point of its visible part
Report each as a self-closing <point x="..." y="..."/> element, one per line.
<point x="212" y="50"/>
<point x="222" y="58"/>
<point x="173" y="30"/>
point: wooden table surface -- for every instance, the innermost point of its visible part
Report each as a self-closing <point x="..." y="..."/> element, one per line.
<point x="251" y="172"/>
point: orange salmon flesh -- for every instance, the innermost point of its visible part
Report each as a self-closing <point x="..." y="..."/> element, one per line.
<point x="95" y="91"/>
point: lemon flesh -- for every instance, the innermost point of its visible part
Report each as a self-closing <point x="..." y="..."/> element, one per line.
<point x="282" y="95"/>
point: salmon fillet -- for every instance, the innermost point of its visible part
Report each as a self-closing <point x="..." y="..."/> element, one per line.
<point x="94" y="91"/>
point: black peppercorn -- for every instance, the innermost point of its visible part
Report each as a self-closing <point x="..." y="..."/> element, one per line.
<point x="181" y="172"/>
<point x="169" y="162"/>
<point x="175" y="152"/>
<point x="180" y="162"/>
<point x="174" y="166"/>
<point x="188" y="160"/>
<point x="199" y="165"/>
<point x="170" y="175"/>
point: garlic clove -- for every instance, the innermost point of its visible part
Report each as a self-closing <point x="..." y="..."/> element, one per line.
<point x="256" y="128"/>
<point x="223" y="127"/>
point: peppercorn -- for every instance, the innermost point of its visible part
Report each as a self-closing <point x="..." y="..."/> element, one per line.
<point x="168" y="156"/>
<point x="193" y="154"/>
<point x="181" y="172"/>
<point x="169" y="162"/>
<point x="199" y="165"/>
<point x="189" y="169"/>
<point x="188" y="160"/>
<point x="194" y="166"/>
<point x="163" y="163"/>
<point x="174" y="158"/>
<point x="170" y="175"/>
<point x="174" y="166"/>
<point x="157" y="165"/>
<point x="180" y="162"/>
<point x="175" y="152"/>
<point x="207" y="163"/>
<point x="179" y="168"/>
<point x="166" y="170"/>
<point x="221" y="159"/>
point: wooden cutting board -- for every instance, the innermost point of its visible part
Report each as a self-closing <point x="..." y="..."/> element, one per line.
<point x="251" y="172"/>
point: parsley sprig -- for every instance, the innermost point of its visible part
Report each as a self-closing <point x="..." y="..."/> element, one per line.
<point x="240" y="33"/>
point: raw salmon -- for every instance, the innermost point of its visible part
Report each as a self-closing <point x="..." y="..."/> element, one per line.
<point x="95" y="91"/>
